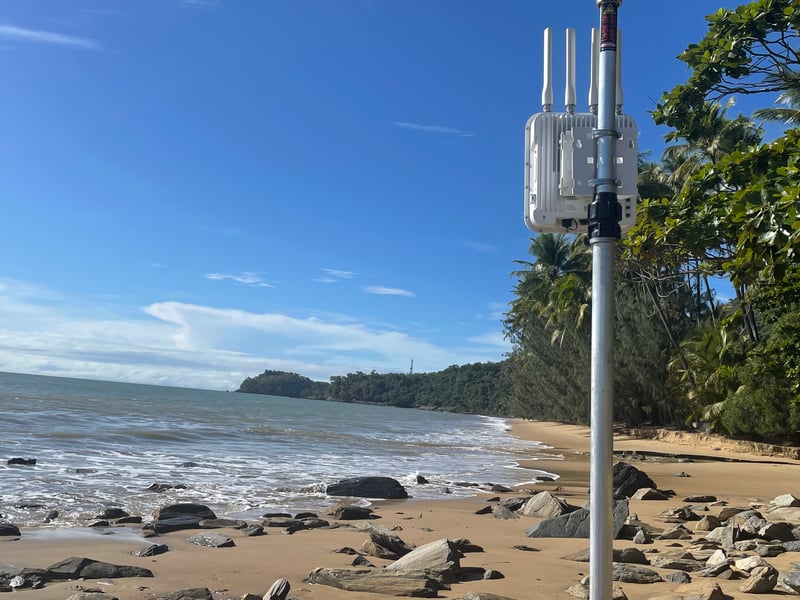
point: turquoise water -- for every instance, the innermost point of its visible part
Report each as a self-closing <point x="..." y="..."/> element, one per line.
<point x="101" y="444"/>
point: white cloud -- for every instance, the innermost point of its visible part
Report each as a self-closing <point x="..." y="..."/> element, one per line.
<point x="334" y="275"/>
<point x="491" y="338"/>
<point x="251" y="279"/>
<point x="38" y="36"/>
<point x="192" y="345"/>
<point x="388" y="291"/>
<point x="434" y="129"/>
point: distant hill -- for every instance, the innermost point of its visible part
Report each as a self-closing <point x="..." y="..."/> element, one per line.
<point x="478" y="388"/>
<point x="281" y="383"/>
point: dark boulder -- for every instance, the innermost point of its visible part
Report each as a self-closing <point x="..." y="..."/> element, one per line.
<point x="76" y="567"/>
<point x="8" y="529"/>
<point x="175" y="524"/>
<point x="112" y="513"/>
<point x="352" y="513"/>
<point x="368" y="487"/>
<point x="176" y="510"/>
<point x="27" y="462"/>
<point x="628" y="479"/>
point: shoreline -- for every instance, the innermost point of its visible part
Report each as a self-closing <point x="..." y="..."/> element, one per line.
<point x="255" y="563"/>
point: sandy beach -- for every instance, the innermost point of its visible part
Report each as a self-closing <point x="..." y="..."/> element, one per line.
<point x="741" y="479"/>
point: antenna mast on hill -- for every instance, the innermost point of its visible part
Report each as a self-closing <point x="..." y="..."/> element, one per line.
<point x="411" y="370"/>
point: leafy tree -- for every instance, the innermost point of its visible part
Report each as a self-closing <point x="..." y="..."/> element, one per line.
<point x="281" y="383"/>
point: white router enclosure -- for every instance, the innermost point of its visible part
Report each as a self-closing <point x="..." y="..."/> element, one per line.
<point x="559" y="169"/>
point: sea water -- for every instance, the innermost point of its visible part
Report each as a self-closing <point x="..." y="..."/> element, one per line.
<point x="100" y="444"/>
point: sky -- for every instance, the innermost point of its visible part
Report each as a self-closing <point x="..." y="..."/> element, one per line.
<point x="194" y="191"/>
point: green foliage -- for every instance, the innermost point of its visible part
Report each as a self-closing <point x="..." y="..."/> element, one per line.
<point x="480" y="388"/>
<point x="281" y="383"/>
<point x="749" y="50"/>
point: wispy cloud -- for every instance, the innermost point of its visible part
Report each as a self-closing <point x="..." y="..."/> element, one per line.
<point x="37" y="36"/>
<point x="251" y="279"/>
<point x="334" y="275"/>
<point x="388" y="291"/>
<point x="494" y="339"/>
<point x="441" y="129"/>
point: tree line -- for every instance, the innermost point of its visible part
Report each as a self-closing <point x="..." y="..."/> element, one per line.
<point x="479" y="388"/>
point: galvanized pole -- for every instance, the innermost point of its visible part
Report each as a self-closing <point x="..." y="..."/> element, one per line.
<point x="604" y="232"/>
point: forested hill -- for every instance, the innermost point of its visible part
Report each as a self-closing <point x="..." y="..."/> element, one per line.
<point x="480" y="388"/>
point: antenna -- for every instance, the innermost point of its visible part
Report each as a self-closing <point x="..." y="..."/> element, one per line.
<point x="569" y="91"/>
<point x="619" y="71"/>
<point x="593" y="72"/>
<point x="547" y="87"/>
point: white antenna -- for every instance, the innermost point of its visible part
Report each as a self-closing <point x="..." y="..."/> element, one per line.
<point x="619" y="71"/>
<point x="547" y="87"/>
<point x="569" y="92"/>
<point x="593" y="72"/>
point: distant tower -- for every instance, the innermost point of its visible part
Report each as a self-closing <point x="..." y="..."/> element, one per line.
<point x="411" y="370"/>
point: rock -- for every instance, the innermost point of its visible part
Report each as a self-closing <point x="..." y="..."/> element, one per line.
<point x="377" y="582"/>
<point x="501" y="512"/>
<point x="630" y="574"/>
<point x="220" y="523"/>
<point x="151" y="550"/>
<point x="700" y="498"/>
<point x="384" y="544"/>
<point x="352" y="513"/>
<point x="717" y="558"/>
<point x="544" y="505"/>
<point x="514" y="504"/>
<point x="620" y="555"/>
<point x="493" y="574"/>
<point x="783" y="532"/>
<point x="791" y="546"/>
<point x="642" y="537"/>
<point x="175" y="524"/>
<point x="76" y="567"/>
<point x="708" y="523"/>
<point x="628" y="479"/>
<point x="112" y="513"/>
<point x="253" y="530"/>
<point x="762" y="580"/>
<point x="524" y="548"/>
<point x="679" y="577"/>
<point x="99" y="524"/>
<point x="465" y="546"/>
<point x="368" y="487"/>
<point x="728" y="511"/>
<point x="212" y="540"/>
<point x="785" y="500"/>
<point x="190" y="593"/>
<point x="7" y="529"/>
<point x="177" y="510"/>
<point x="576" y="523"/>
<point x="278" y="590"/>
<point x="679" y="532"/>
<point x="676" y="563"/>
<point x="92" y="596"/>
<point x="726" y="536"/>
<point x="361" y="561"/>
<point x="581" y="590"/>
<point x="700" y="590"/>
<point x="500" y="489"/>
<point x="440" y="558"/>
<point x="749" y="563"/>
<point x="648" y="494"/>
<point x="26" y="462"/>
<point x="792" y="580"/>
<point x="129" y="520"/>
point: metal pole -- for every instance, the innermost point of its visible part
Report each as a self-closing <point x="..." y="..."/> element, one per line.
<point x="604" y="232"/>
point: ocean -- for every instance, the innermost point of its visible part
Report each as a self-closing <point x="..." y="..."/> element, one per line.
<point x="99" y="444"/>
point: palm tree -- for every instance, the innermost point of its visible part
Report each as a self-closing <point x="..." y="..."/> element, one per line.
<point x="555" y="285"/>
<point x="790" y="98"/>
<point x="721" y="136"/>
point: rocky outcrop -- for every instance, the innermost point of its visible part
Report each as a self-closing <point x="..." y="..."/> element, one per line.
<point x="576" y="524"/>
<point x="376" y="581"/>
<point x="628" y="479"/>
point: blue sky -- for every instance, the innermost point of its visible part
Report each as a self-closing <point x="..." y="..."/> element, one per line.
<point x="194" y="191"/>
